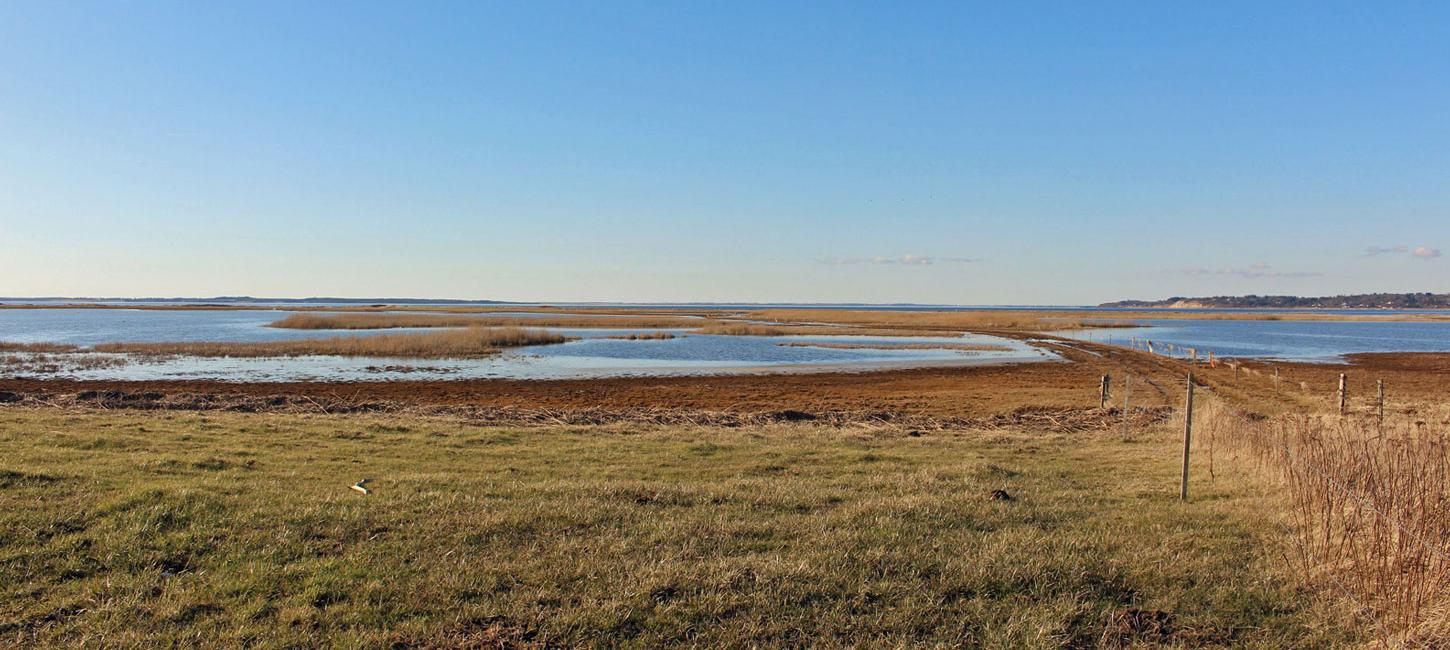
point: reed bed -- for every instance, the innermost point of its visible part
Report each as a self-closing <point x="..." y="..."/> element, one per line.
<point x="364" y="321"/>
<point x="1369" y="508"/>
<point x="453" y="344"/>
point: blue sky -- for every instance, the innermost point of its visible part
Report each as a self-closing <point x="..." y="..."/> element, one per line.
<point x="1037" y="153"/>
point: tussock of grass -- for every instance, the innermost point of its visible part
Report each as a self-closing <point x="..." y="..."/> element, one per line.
<point x="241" y="529"/>
<point x="391" y="321"/>
<point x="644" y="336"/>
<point x="460" y="343"/>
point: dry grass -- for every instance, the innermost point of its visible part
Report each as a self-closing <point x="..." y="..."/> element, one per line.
<point x="392" y="321"/>
<point x="460" y="343"/>
<point x="146" y="529"/>
<point x="644" y="336"/>
<point x="966" y="347"/>
<point x="1370" y="508"/>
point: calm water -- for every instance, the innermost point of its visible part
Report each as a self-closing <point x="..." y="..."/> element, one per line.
<point x="596" y="356"/>
<point x="92" y="326"/>
<point x="592" y="356"/>
<point x="1293" y="340"/>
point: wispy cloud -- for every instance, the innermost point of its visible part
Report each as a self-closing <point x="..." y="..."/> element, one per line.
<point x="1253" y="271"/>
<point x="1418" y="252"/>
<point x="903" y="260"/>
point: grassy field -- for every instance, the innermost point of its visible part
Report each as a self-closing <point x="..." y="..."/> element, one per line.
<point x="222" y="529"/>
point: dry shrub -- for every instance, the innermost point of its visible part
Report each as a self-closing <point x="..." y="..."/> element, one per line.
<point x="1370" y="508"/>
<point x="460" y="343"/>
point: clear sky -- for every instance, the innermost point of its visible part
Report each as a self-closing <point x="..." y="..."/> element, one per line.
<point x="970" y="153"/>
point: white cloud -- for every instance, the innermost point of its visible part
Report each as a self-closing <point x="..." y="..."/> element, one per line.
<point x="1253" y="271"/>
<point x="1384" y="250"/>
<point x="903" y="260"/>
<point x="1419" y="252"/>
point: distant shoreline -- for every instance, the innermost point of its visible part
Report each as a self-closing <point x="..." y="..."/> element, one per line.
<point x="1368" y="301"/>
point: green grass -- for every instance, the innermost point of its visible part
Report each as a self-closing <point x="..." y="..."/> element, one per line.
<point x="129" y="529"/>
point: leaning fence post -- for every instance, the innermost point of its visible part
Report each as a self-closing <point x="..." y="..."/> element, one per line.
<point x="1187" y="438"/>
<point x="1342" y="393"/>
<point x="1103" y="393"/>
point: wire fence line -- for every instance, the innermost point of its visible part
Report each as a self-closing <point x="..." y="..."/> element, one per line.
<point x="1370" y="509"/>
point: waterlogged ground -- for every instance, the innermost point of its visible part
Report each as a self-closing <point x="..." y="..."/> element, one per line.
<point x="588" y="357"/>
<point x="598" y="355"/>
<point x="594" y="354"/>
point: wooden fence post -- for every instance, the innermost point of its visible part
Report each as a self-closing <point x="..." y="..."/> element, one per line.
<point x="1343" y="392"/>
<point x="1127" y="396"/>
<point x="1187" y="438"/>
<point x="1103" y="392"/>
<point x="1276" y="379"/>
<point x="1380" y="385"/>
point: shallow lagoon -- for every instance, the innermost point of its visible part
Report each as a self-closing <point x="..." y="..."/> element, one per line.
<point x="1320" y="341"/>
<point x="594" y="355"/>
